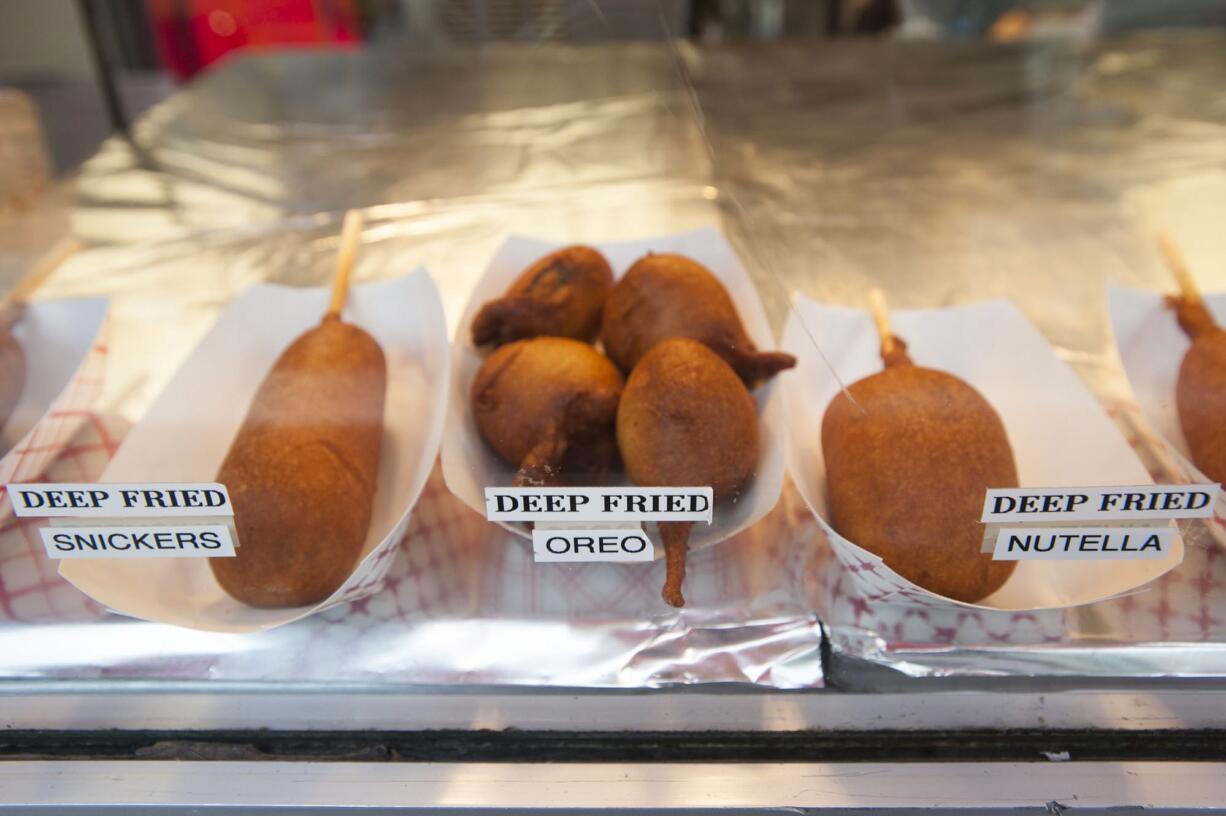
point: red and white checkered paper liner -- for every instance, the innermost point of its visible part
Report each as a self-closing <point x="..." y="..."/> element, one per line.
<point x="43" y="443"/>
<point x="455" y="578"/>
<point x="31" y="589"/>
<point x="460" y="605"/>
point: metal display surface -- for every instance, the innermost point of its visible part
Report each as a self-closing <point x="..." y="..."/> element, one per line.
<point x="946" y="173"/>
<point x="1014" y="705"/>
<point x="366" y="787"/>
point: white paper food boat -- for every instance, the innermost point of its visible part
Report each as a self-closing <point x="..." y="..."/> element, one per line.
<point x="1060" y="435"/>
<point x="186" y="432"/>
<point x="64" y="342"/>
<point x="469" y="465"/>
<point x="1151" y="347"/>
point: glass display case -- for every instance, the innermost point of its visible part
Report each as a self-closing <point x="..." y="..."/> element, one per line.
<point x="631" y="412"/>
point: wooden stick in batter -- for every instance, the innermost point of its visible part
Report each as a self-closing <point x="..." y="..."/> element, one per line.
<point x="881" y="316"/>
<point x="351" y="237"/>
<point x="1179" y="268"/>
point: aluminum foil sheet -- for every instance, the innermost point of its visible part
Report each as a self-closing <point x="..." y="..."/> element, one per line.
<point x="942" y="172"/>
<point x="948" y="173"/>
<point x="303" y="131"/>
<point x="464" y="602"/>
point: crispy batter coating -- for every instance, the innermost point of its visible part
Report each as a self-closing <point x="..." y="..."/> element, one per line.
<point x="907" y="464"/>
<point x="548" y="405"/>
<point x="561" y="295"/>
<point x="1200" y="391"/>
<point x="666" y="295"/>
<point x="12" y="374"/>
<point x="301" y="472"/>
<point x="686" y="420"/>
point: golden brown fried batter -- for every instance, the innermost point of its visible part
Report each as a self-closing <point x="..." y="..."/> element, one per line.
<point x="907" y="466"/>
<point x="561" y="295"/>
<point x="548" y="405"/>
<point x="1200" y="391"/>
<point x="686" y="420"/>
<point x="302" y="469"/>
<point x="664" y="296"/>
<point x="12" y="374"/>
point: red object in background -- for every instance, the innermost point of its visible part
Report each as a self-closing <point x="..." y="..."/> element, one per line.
<point x="192" y="34"/>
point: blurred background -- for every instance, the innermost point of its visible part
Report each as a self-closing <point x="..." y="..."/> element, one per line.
<point x="143" y="119"/>
<point x="74" y="71"/>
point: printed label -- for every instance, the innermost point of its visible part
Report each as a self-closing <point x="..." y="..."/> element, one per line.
<point x="598" y="504"/>
<point x="562" y="546"/>
<point x="120" y="500"/>
<point x="1129" y="503"/>
<point x="179" y="541"/>
<point x="1083" y="543"/>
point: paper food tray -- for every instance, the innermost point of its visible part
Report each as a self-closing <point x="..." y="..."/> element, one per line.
<point x="1151" y="347"/>
<point x="468" y="463"/>
<point x="1059" y="434"/>
<point x="187" y="431"/>
<point x="64" y="344"/>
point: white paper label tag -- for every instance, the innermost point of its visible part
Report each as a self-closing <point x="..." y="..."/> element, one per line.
<point x="1084" y="543"/>
<point x="1128" y="503"/>
<point x="170" y="541"/>
<point x="598" y="504"/>
<point x="100" y="500"/>
<point x="626" y="543"/>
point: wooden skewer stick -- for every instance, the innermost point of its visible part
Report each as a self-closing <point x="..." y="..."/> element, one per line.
<point x="50" y="261"/>
<point x="351" y="236"/>
<point x="1179" y="268"/>
<point x="881" y="316"/>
